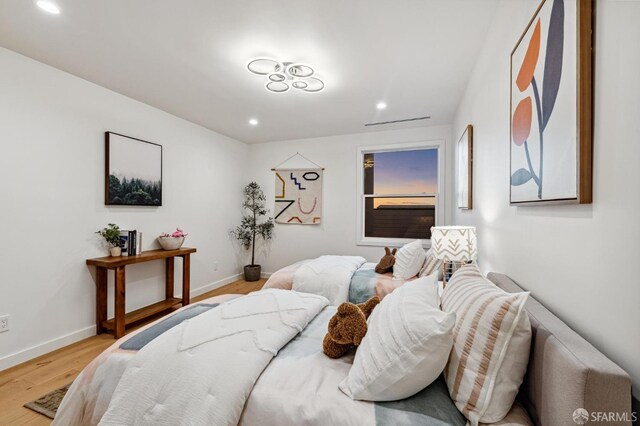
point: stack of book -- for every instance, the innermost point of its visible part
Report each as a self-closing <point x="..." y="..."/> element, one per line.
<point x="131" y="242"/>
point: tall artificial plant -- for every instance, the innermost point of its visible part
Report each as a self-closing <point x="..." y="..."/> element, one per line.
<point x="250" y="227"/>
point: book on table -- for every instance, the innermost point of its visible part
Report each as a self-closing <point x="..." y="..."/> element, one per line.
<point x="139" y="242"/>
<point x="124" y="242"/>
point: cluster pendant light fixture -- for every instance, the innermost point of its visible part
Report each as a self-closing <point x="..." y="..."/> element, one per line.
<point x="282" y="76"/>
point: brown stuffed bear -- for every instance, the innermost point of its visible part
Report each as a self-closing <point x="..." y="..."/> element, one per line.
<point x="347" y="327"/>
<point x="386" y="263"/>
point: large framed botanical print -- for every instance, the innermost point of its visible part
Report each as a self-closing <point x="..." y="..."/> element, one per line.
<point x="551" y="106"/>
<point x="133" y="171"/>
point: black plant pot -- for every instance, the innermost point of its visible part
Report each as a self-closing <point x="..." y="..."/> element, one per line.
<point x="252" y="272"/>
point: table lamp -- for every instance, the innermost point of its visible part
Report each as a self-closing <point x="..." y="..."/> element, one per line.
<point x="455" y="246"/>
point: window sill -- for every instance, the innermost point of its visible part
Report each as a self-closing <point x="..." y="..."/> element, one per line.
<point x="390" y="242"/>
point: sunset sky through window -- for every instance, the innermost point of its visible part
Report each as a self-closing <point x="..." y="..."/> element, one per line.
<point x="405" y="172"/>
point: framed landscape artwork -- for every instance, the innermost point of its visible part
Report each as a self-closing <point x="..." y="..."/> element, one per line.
<point x="551" y="101"/>
<point x="133" y="171"/>
<point x="465" y="169"/>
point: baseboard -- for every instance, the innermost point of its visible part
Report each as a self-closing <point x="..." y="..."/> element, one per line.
<point x="214" y="285"/>
<point x="28" y="354"/>
<point x="266" y="274"/>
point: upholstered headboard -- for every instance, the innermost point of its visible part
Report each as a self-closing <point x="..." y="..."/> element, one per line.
<point x="566" y="372"/>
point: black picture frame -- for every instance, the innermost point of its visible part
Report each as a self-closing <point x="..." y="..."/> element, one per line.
<point x="137" y="184"/>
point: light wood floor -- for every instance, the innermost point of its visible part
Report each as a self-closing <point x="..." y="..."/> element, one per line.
<point x="33" y="379"/>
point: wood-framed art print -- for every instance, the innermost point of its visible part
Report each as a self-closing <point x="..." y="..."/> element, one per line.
<point x="133" y="171"/>
<point x="551" y="106"/>
<point x="465" y="169"/>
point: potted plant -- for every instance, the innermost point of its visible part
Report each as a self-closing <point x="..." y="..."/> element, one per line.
<point x="172" y="241"/>
<point x="111" y="234"/>
<point x="251" y="228"/>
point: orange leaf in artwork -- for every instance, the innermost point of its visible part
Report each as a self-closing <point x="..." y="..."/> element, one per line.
<point x="521" y="126"/>
<point x="530" y="60"/>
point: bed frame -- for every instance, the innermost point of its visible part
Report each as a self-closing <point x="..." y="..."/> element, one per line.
<point x="566" y="372"/>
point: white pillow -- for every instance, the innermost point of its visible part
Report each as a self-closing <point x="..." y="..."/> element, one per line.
<point x="431" y="264"/>
<point x="409" y="260"/>
<point x="491" y="345"/>
<point x="406" y="346"/>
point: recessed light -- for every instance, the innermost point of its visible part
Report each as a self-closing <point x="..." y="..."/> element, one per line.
<point x="48" y="6"/>
<point x="381" y="105"/>
<point x="253" y="122"/>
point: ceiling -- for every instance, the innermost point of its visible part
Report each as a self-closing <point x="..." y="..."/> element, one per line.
<point x="189" y="57"/>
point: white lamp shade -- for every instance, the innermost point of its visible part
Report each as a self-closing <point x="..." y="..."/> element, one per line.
<point x="454" y="243"/>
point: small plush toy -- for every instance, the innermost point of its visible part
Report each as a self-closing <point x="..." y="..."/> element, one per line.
<point x="386" y="263"/>
<point x="347" y="327"/>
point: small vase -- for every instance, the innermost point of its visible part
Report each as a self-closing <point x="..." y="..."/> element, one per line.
<point x="115" y="251"/>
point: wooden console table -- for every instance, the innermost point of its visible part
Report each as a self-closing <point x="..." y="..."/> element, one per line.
<point x="118" y="264"/>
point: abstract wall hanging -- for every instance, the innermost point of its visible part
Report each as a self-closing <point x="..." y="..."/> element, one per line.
<point x="551" y="98"/>
<point x="133" y="171"/>
<point x="298" y="194"/>
<point x="465" y="169"/>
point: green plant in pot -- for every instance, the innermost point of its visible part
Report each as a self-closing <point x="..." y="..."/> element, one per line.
<point x="111" y="234"/>
<point x="253" y="226"/>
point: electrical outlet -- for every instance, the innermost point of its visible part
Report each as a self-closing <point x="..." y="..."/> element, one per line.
<point x="4" y="323"/>
<point x="215" y="265"/>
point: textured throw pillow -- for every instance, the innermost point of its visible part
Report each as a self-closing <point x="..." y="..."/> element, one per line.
<point x="409" y="260"/>
<point x="406" y="346"/>
<point x="431" y="264"/>
<point x="491" y="343"/>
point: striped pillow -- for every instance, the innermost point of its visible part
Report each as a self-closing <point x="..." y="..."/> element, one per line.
<point x="491" y="342"/>
<point x="431" y="264"/>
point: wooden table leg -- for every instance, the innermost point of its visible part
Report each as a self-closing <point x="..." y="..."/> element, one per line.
<point x="101" y="299"/>
<point x="186" y="276"/>
<point x="119" y="302"/>
<point x="169" y="267"/>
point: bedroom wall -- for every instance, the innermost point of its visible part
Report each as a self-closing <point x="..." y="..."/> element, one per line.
<point x="577" y="260"/>
<point x="338" y="154"/>
<point x="52" y="128"/>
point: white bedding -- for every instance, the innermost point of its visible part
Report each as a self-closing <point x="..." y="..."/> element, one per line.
<point x="329" y="276"/>
<point x="299" y="386"/>
<point x="188" y="373"/>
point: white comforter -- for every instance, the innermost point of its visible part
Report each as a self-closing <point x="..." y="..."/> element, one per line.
<point x="329" y="276"/>
<point x="202" y="371"/>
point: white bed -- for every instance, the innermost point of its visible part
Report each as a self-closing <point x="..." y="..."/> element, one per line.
<point x="299" y="385"/>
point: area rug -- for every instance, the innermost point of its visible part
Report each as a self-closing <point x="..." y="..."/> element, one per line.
<point x="48" y="404"/>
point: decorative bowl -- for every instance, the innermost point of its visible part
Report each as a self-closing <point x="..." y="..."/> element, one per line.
<point x="171" y="243"/>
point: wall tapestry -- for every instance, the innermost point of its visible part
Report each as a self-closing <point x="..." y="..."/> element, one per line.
<point x="133" y="171"/>
<point x="551" y="106"/>
<point x="298" y="198"/>
<point x="465" y="169"/>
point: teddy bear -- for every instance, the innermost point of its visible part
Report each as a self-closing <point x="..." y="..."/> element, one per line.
<point x="386" y="263"/>
<point x="347" y="327"/>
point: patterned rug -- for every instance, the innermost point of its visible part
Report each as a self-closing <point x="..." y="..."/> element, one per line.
<point x="48" y="404"/>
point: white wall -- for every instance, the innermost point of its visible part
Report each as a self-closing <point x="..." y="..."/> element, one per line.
<point x="338" y="154"/>
<point x="578" y="260"/>
<point x="52" y="128"/>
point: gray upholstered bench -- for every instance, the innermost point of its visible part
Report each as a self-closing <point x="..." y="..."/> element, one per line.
<point x="566" y="372"/>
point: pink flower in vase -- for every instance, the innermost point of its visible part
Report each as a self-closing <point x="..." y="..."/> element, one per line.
<point x="178" y="233"/>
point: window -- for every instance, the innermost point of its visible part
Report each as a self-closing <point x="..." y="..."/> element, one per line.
<point x="399" y="192"/>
